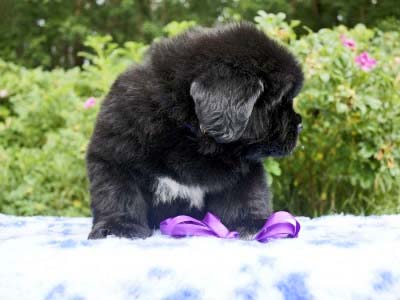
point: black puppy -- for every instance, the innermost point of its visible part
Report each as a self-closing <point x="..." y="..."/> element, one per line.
<point x="185" y="132"/>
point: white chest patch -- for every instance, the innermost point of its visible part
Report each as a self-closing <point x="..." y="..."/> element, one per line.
<point x="167" y="190"/>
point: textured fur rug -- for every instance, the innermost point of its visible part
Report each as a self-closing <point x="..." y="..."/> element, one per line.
<point x="335" y="257"/>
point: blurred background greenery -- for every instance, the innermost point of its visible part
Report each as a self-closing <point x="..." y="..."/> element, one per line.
<point x="51" y="33"/>
<point x="58" y="59"/>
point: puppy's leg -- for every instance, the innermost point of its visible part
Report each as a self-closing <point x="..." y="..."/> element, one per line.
<point x="246" y="206"/>
<point x="117" y="203"/>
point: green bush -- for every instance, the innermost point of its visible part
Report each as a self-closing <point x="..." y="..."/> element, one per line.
<point x="44" y="130"/>
<point x="347" y="161"/>
<point x="42" y="140"/>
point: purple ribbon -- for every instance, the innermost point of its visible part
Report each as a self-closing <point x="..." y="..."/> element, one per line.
<point x="280" y="224"/>
<point x="181" y="226"/>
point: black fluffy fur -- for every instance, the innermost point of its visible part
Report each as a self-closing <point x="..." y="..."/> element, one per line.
<point x="203" y="109"/>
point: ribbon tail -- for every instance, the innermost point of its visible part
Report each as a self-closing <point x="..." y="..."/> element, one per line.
<point x="279" y="225"/>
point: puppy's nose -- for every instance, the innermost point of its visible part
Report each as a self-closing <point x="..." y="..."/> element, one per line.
<point x="299" y="128"/>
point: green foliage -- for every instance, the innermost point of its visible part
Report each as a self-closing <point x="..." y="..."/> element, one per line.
<point x="274" y="26"/>
<point x="347" y="160"/>
<point x="175" y="28"/>
<point x="42" y="142"/>
<point x="44" y="129"/>
<point x="349" y="154"/>
<point x="106" y="60"/>
<point x="52" y="33"/>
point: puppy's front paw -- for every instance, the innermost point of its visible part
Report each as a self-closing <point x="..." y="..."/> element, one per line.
<point x="246" y="233"/>
<point x="250" y="230"/>
<point x="120" y="229"/>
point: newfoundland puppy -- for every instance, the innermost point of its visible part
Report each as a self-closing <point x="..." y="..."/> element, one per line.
<point x="185" y="132"/>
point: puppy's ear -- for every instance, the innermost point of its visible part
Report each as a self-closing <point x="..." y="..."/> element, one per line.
<point x="224" y="100"/>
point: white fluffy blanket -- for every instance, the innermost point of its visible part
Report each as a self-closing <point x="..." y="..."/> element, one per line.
<point x="335" y="257"/>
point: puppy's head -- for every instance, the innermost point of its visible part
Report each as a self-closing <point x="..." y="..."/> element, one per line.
<point x="241" y="84"/>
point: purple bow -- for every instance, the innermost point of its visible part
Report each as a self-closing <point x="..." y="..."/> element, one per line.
<point x="280" y="224"/>
<point x="181" y="226"/>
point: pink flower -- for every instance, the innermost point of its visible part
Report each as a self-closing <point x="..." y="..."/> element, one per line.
<point x="349" y="43"/>
<point x="90" y="102"/>
<point x="397" y="60"/>
<point x="365" y="62"/>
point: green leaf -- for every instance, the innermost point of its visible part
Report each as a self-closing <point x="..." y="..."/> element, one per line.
<point x="272" y="167"/>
